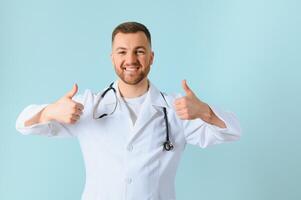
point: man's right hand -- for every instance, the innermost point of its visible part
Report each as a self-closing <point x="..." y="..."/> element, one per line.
<point x="65" y="110"/>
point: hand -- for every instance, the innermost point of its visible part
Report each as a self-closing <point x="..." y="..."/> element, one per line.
<point x="65" y="110"/>
<point x="190" y="107"/>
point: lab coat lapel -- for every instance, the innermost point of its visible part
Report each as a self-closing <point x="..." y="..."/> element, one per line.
<point x="152" y="105"/>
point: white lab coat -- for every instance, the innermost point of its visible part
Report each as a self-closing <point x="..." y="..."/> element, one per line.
<point x="126" y="162"/>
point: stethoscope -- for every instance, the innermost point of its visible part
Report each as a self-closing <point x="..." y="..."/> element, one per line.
<point x="167" y="145"/>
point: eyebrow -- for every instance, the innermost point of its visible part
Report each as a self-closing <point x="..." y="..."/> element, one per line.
<point x="123" y="48"/>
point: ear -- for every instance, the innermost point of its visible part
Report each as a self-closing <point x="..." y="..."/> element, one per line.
<point x="152" y="58"/>
<point x="112" y="58"/>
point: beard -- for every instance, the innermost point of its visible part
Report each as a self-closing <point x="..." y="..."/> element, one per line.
<point x="132" y="78"/>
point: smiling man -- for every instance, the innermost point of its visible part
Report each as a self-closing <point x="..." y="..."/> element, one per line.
<point x="132" y="135"/>
<point x="131" y="56"/>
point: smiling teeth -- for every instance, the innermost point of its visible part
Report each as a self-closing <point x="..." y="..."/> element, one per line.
<point x="131" y="69"/>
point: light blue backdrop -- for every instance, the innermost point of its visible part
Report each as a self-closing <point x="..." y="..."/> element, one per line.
<point x="241" y="55"/>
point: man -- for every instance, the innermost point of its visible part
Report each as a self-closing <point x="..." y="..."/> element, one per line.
<point x="131" y="135"/>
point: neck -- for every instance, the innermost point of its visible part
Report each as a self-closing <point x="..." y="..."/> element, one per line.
<point x="132" y="91"/>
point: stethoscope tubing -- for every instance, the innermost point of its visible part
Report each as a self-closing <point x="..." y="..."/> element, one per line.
<point x="167" y="145"/>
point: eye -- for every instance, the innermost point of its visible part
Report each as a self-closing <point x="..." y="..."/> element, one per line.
<point x="121" y="52"/>
<point x="140" y="52"/>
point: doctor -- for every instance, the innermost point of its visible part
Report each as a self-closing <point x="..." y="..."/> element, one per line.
<point x="123" y="131"/>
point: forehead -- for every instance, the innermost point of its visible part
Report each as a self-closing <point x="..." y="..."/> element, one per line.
<point x="130" y="40"/>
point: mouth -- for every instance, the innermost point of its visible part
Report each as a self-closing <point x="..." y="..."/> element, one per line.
<point x="131" y="69"/>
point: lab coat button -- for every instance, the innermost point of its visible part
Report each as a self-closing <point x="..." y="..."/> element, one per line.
<point x="128" y="180"/>
<point x="130" y="147"/>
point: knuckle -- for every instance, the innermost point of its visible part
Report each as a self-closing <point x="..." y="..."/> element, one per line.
<point x="79" y="105"/>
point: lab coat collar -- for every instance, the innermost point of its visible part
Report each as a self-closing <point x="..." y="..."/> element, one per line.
<point x="153" y="97"/>
<point x="156" y="98"/>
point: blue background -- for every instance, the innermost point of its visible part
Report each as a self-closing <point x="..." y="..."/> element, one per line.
<point x="243" y="56"/>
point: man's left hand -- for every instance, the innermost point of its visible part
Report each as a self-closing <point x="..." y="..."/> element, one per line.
<point x="191" y="107"/>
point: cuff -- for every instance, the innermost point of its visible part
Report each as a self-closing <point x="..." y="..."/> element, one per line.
<point x="232" y="125"/>
<point x="28" y="113"/>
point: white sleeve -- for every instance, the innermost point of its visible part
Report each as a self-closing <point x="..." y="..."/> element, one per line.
<point x="197" y="132"/>
<point x="51" y="128"/>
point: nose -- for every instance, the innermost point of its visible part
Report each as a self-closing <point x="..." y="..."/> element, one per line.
<point x="131" y="59"/>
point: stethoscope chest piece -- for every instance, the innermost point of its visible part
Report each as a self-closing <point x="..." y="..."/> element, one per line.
<point x="168" y="146"/>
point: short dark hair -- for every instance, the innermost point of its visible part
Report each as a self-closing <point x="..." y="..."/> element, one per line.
<point x="132" y="27"/>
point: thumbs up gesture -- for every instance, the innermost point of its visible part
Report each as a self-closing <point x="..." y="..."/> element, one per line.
<point x="190" y="107"/>
<point x="65" y="110"/>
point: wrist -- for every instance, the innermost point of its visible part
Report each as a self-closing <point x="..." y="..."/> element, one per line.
<point x="44" y="115"/>
<point x="214" y="120"/>
<point x="206" y="114"/>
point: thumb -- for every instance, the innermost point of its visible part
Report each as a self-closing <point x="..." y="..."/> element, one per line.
<point x="72" y="92"/>
<point x="186" y="88"/>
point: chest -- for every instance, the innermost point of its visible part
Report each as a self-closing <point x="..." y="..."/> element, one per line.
<point x="117" y="132"/>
